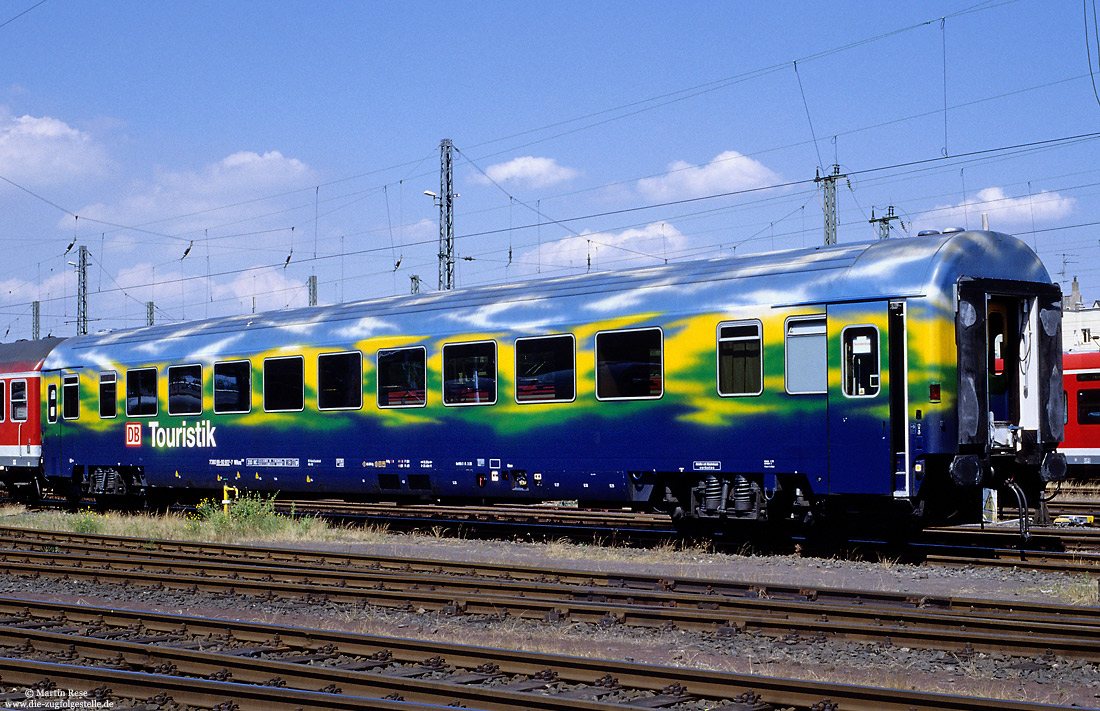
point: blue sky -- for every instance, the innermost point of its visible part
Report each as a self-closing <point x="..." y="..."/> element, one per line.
<point x="590" y="136"/>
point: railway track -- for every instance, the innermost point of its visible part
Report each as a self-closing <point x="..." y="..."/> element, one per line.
<point x="962" y="625"/>
<point x="1073" y="550"/>
<point x="1054" y="549"/>
<point x="204" y="662"/>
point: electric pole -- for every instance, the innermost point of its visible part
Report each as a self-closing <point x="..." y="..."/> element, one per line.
<point x="148" y="313"/>
<point x="82" y="293"/>
<point x="446" y="216"/>
<point x="884" y="222"/>
<point x="830" y="201"/>
<point x="36" y="312"/>
<point x="313" y="290"/>
<point x="414" y="283"/>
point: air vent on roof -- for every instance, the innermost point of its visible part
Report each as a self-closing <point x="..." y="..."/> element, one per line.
<point x="952" y="230"/>
<point x="927" y="233"/>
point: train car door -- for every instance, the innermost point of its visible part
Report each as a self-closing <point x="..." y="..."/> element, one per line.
<point x="861" y="457"/>
<point x="51" y="433"/>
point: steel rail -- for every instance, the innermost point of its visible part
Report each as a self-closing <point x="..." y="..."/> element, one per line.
<point x="1043" y="539"/>
<point x="657" y="593"/>
<point x="953" y="630"/>
<point x="310" y="560"/>
<point x="691" y="683"/>
<point x="244" y="669"/>
<point x="202" y="693"/>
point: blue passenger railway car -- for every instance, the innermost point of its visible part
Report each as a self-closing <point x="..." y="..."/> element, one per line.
<point x="893" y="377"/>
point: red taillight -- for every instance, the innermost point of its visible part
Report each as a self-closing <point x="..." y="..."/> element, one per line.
<point x="933" y="392"/>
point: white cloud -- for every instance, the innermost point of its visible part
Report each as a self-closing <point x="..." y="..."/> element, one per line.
<point x="19" y="290"/>
<point x="530" y="171"/>
<point x="272" y="288"/>
<point x="235" y="179"/>
<point x="635" y="247"/>
<point x="39" y="150"/>
<point x="421" y="229"/>
<point x="728" y="172"/>
<point x="242" y="172"/>
<point x="1004" y="212"/>
<point x="180" y="295"/>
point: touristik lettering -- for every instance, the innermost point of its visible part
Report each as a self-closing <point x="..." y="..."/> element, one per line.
<point x="197" y="436"/>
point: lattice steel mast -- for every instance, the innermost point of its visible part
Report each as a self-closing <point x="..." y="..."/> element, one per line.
<point x="829" y="202"/>
<point x="446" y="216"/>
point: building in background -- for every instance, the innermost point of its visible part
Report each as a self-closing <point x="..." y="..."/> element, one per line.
<point x="1080" y="323"/>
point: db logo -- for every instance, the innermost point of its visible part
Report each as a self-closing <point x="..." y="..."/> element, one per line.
<point x="133" y="434"/>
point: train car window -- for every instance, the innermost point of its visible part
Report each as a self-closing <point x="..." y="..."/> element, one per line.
<point x="185" y="390"/>
<point x="108" y="394"/>
<point x="997" y="315"/>
<point x="546" y="369"/>
<point x="340" y="381"/>
<point x="1065" y="407"/>
<point x="51" y="403"/>
<point x="284" y="384"/>
<point x="470" y="373"/>
<point x="629" y="364"/>
<point x="70" y="397"/>
<point x="806" y="367"/>
<point x="3" y="397"/>
<point x="401" y="377"/>
<point x="233" y="387"/>
<point x="19" y="400"/>
<point x="1088" y="407"/>
<point x="141" y="392"/>
<point x="1088" y="377"/>
<point x="860" y="364"/>
<point x="740" y="366"/>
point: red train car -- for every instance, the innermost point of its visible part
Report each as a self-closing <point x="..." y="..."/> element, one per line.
<point x="1082" y="440"/>
<point x="20" y="415"/>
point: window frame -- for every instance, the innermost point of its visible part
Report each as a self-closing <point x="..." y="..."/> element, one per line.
<point x="214" y="386"/>
<point x="378" y="377"/>
<point x="113" y="375"/>
<point x="51" y="403"/>
<point x="70" y="380"/>
<point x="263" y="383"/>
<point x="202" y="400"/>
<point x="156" y="392"/>
<point x="787" y="323"/>
<point x="596" y="356"/>
<point x="1093" y="393"/>
<point x="718" y="354"/>
<point x="496" y="373"/>
<point x="319" y="387"/>
<point x="877" y="346"/>
<point x="573" y="351"/>
<point x="26" y="401"/>
<point x="5" y="403"/>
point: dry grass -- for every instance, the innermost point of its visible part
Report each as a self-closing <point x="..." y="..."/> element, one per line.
<point x="1078" y="490"/>
<point x="250" y="519"/>
<point x="1083" y="591"/>
<point x="617" y="552"/>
